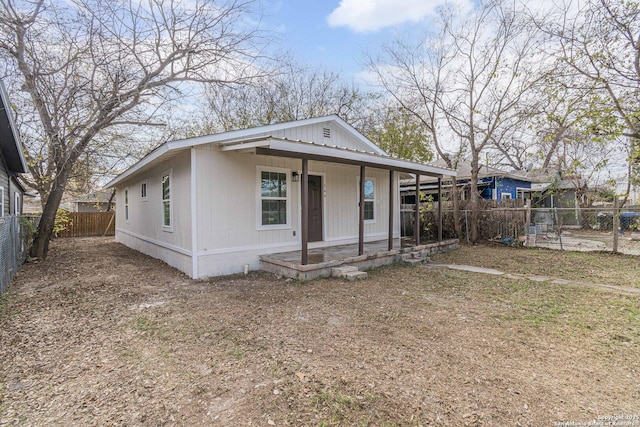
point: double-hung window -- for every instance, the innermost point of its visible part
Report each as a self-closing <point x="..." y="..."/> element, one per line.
<point x="166" y="200"/>
<point x="369" y="200"/>
<point x="274" y="198"/>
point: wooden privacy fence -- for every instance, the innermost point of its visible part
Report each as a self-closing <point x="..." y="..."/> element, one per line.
<point x="86" y="224"/>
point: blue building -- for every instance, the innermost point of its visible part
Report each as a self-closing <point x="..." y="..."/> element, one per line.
<point x="493" y="184"/>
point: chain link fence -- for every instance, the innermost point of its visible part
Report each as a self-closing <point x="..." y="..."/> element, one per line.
<point x="15" y="235"/>
<point x="573" y="229"/>
<point x="585" y="229"/>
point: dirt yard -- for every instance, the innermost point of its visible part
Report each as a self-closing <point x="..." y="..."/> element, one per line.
<point x="101" y="335"/>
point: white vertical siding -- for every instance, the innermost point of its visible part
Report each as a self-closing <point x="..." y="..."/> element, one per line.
<point x="229" y="232"/>
<point x="315" y="133"/>
<point x="227" y="203"/>
<point x="342" y="202"/>
<point x="145" y="216"/>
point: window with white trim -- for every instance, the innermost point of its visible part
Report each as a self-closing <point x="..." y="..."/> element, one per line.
<point x="505" y="196"/>
<point x="143" y="190"/>
<point x="1" y="201"/>
<point x="16" y="203"/>
<point x="274" y="198"/>
<point x="369" y="199"/>
<point x="126" y="204"/>
<point x="166" y="200"/>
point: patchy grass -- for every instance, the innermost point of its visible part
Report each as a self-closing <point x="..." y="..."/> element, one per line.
<point x="409" y="346"/>
<point x="594" y="267"/>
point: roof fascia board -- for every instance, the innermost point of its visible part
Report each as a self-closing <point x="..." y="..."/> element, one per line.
<point x="244" y="145"/>
<point x="14" y="130"/>
<point x="158" y="152"/>
<point x="338" y="155"/>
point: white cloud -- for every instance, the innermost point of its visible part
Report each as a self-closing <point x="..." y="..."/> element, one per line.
<point x="371" y="15"/>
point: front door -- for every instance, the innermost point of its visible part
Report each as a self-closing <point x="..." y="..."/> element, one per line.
<point x="315" y="208"/>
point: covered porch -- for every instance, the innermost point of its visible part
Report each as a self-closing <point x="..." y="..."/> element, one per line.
<point x="321" y="261"/>
<point x="318" y="256"/>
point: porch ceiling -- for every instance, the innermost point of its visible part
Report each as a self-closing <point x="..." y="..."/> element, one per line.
<point x="282" y="147"/>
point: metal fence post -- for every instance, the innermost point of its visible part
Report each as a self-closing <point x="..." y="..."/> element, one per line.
<point x="616" y="224"/>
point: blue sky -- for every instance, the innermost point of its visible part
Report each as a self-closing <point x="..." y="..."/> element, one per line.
<point x="337" y="34"/>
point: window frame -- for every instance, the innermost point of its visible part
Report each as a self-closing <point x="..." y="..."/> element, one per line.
<point x="523" y="193"/>
<point x="373" y="201"/>
<point x="144" y="188"/>
<point x="505" y="196"/>
<point x="16" y="203"/>
<point x="163" y="201"/>
<point x="260" y="198"/>
<point x="126" y="204"/>
<point x="1" y="201"/>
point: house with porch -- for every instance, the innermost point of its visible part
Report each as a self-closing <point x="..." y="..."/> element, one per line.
<point x="12" y="162"/>
<point x="224" y="203"/>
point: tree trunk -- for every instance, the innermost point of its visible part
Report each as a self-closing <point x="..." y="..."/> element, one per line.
<point x="475" y="208"/>
<point x="40" y="246"/>
<point x="110" y="204"/>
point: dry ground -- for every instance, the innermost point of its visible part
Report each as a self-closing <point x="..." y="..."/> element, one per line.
<point x="594" y="267"/>
<point x="101" y="335"/>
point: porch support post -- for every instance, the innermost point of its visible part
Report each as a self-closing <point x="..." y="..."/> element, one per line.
<point x="440" y="219"/>
<point x="390" y="245"/>
<point x="304" y="190"/>
<point x="416" y="225"/>
<point x="361" y="214"/>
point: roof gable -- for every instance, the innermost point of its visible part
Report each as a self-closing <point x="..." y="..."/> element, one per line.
<point x="305" y="132"/>
<point x="285" y="130"/>
<point x="9" y="139"/>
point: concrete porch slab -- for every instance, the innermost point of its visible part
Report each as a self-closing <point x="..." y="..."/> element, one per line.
<point x="323" y="260"/>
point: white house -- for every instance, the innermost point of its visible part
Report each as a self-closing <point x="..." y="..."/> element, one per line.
<point x="211" y="204"/>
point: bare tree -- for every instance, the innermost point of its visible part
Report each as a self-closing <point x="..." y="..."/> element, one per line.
<point x="600" y="44"/>
<point x="466" y="83"/>
<point x="88" y="67"/>
<point x="292" y="92"/>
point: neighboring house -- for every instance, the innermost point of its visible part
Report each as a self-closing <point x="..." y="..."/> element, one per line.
<point x="100" y="201"/>
<point x="566" y="192"/>
<point x="12" y="160"/>
<point x="493" y="184"/>
<point x="211" y="204"/>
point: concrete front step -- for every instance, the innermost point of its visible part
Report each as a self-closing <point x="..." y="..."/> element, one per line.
<point x="341" y="271"/>
<point x="355" y="275"/>
<point x="348" y="272"/>
<point x="415" y="258"/>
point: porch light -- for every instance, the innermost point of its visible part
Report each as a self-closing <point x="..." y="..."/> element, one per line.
<point x="295" y="177"/>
